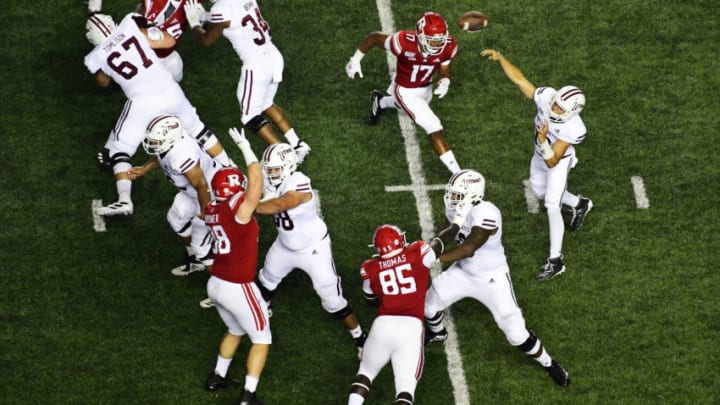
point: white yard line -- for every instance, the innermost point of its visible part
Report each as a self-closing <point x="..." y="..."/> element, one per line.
<point x="424" y="208"/>
<point x="98" y="221"/>
<point x="641" y="199"/>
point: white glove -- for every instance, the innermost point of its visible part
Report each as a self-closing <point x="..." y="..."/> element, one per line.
<point x="442" y="87"/>
<point x="193" y="12"/>
<point x="244" y="145"/>
<point x="353" y="66"/>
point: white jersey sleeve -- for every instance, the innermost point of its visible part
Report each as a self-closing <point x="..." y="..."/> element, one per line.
<point x="301" y="226"/>
<point x="491" y="254"/>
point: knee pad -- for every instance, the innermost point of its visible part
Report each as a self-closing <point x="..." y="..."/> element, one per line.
<point x="206" y="138"/>
<point x="257" y="122"/>
<point x="361" y="385"/>
<point x="341" y="314"/>
<point x="119" y="157"/>
<point x="435" y="320"/>
<point x="404" y="398"/>
<point x="529" y="343"/>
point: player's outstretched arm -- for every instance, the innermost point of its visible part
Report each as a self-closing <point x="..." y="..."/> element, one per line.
<point x="375" y="39"/>
<point x="254" y="177"/>
<point x="512" y="72"/>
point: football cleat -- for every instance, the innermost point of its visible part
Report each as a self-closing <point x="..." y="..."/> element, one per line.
<point x="375" y="109"/>
<point x="558" y="374"/>
<point x="552" y="268"/>
<point x="216" y="382"/>
<point x="249" y="398"/>
<point x="206" y="303"/>
<point x="359" y="344"/>
<point x="431" y="336"/>
<point x="580" y="212"/>
<point x="302" y="149"/>
<point x="116" y="208"/>
<point x="191" y="265"/>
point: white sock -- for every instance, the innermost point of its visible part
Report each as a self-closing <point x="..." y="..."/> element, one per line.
<point x="222" y="366"/>
<point x="251" y="383"/>
<point x="570" y="199"/>
<point x="357" y="332"/>
<point x="449" y="159"/>
<point x="292" y="137"/>
<point x="355" y="399"/>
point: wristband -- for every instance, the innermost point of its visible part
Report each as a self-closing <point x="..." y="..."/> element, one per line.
<point x="358" y="55"/>
<point x="546" y="151"/>
<point x="248" y="154"/>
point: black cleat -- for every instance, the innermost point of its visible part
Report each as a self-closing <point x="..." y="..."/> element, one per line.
<point x="558" y="374"/>
<point x="249" y="398"/>
<point x="375" y="109"/>
<point x="579" y="213"/>
<point x="215" y="382"/>
<point x="431" y="336"/>
<point x="552" y="268"/>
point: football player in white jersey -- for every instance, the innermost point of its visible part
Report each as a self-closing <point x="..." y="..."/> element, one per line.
<point x="558" y="127"/>
<point x="479" y="270"/>
<point x="303" y="240"/>
<point x="242" y="24"/>
<point x="191" y="170"/>
<point x="125" y="54"/>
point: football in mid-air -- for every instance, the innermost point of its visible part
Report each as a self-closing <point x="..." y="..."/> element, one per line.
<point x="473" y="21"/>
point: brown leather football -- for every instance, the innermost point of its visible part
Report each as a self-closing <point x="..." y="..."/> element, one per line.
<point x="472" y="21"/>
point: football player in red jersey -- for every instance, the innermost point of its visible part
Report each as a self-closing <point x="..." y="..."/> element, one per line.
<point x="420" y="53"/>
<point x="232" y="286"/>
<point x="397" y="281"/>
<point x="168" y="15"/>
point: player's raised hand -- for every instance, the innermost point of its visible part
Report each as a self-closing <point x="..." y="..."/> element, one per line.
<point x="243" y="144"/>
<point x="238" y="136"/>
<point x="194" y="12"/>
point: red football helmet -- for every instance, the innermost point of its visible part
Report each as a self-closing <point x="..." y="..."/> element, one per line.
<point x="432" y="33"/>
<point x="388" y="240"/>
<point x="227" y="182"/>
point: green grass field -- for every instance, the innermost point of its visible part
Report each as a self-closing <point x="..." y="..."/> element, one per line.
<point x="97" y="318"/>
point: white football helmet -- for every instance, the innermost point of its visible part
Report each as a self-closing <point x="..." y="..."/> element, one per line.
<point x="279" y="162"/>
<point x="571" y="99"/>
<point x="99" y="27"/>
<point x="465" y="182"/>
<point x="432" y="33"/>
<point x="162" y="134"/>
